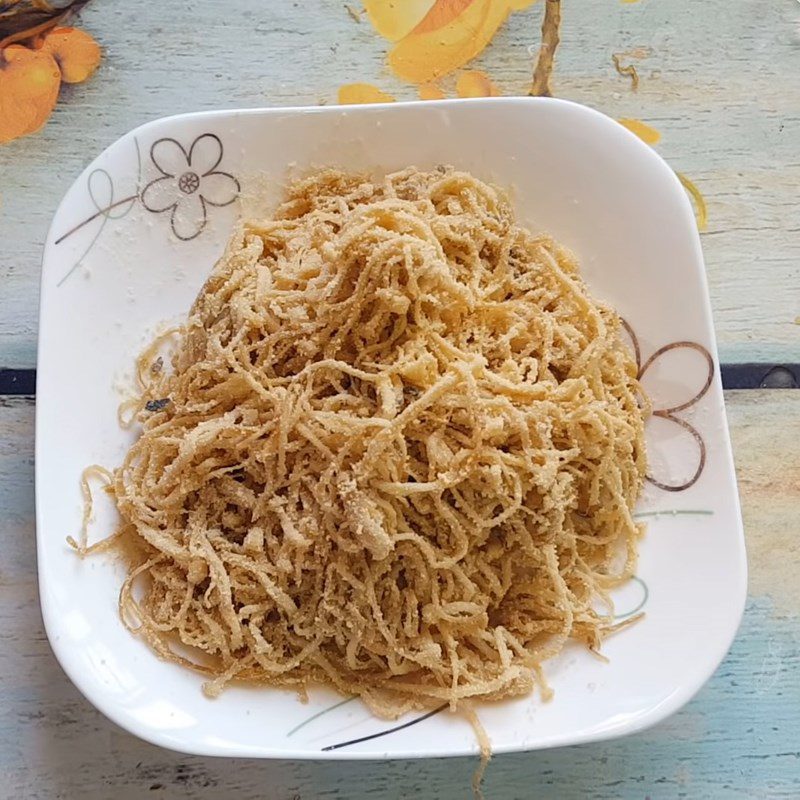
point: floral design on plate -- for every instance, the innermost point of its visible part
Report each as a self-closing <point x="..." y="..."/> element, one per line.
<point x="679" y="374"/>
<point x="189" y="183"/>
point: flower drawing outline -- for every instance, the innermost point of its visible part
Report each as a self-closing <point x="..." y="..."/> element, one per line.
<point x="669" y="412"/>
<point x="189" y="182"/>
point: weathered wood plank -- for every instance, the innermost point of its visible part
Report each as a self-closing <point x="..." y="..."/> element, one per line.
<point x="738" y="738"/>
<point x="719" y="80"/>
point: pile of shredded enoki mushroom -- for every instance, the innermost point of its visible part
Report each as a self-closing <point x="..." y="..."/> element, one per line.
<point x="396" y="451"/>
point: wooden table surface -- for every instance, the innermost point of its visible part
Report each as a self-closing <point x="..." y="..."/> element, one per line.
<point x="720" y="81"/>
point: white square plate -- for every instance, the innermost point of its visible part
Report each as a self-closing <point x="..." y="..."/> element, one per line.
<point x="130" y="246"/>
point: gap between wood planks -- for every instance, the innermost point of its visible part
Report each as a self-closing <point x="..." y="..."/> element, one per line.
<point x="22" y="382"/>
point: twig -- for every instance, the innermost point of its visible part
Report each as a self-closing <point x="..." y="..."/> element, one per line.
<point x="547" y="50"/>
<point x="630" y="71"/>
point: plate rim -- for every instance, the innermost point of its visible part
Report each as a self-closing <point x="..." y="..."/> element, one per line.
<point x="646" y="719"/>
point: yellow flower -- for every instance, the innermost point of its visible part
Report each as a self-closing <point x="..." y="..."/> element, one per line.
<point x="29" y="84"/>
<point x="646" y="133"/>
<point x="435" y="37"/>
<point x="361" y="93"/>
<point x="430" y="91"/>
<point x="475" y="83"/>
<point x="75" y="51"/>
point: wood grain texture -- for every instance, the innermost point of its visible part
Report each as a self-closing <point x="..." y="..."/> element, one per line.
<point x="718" y="79"/>
<point x="737" y="739"/>
<point x="766" y="443"/>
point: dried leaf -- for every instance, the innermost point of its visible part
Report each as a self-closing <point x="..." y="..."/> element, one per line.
<point x="24" y="19"/>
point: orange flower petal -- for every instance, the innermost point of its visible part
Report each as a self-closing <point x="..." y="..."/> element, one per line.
<point x="442" y="13"/>
<point x="29" y="83"/>
<point x="423" y="57"/>
<point x="76" y="52"/>
<point x="519" y="5"/>
<point x="430" y="91"/>
<point x="394" y="19"/>
<point x="476" y="84"/>
<point x="647" y="134"/>
<point x="360" y="93"/>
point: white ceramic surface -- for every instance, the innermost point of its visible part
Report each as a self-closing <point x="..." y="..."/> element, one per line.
<point x="128" y="249"/>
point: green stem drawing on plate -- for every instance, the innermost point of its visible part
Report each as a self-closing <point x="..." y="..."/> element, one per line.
<point x="675" y="512"/>
<point x="103" y="210"/>
<point x="640" y="605"/>
<point x="319" y="714"/>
